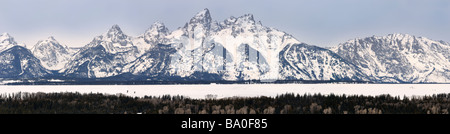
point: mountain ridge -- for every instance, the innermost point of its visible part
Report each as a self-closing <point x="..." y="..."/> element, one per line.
<point x="399" y="57"/>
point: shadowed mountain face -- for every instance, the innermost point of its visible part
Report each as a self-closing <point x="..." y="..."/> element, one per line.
<point x="19" y="62"/>
<point x="153" y="63"/>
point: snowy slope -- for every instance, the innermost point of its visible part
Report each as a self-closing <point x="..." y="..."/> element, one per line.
<point x="154" y="63"/>
<point x="52" y="54"/>
<point x="399" y="58"/>
<point x="104" y="56"/>
<point x="253" y="45"/>
<point x="306" y="62"/>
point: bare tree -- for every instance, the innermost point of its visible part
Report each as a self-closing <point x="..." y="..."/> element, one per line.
<point x="216" y="109"/>
<point x="243" y="110"/>
<point x="179" y="111"/>
<point x="314" y="107"/>
<point x="286" y="109"/>
<point x="252" y="111"/>
<point x="327" y="111"/>
<point x="269" y="110"/>
<point x="229" y="109"/>
<point x="165" y="110"/>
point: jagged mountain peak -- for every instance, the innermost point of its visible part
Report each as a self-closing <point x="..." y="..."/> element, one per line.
<point x="51" y="38"/>
<point x="158" y="24"/>
<point x="6" y="38"/>
<point x="400" y="36"/>
<point x="157" y="28"/>
<point x="201" y="18"/>
<point x="204" y="11"/>
<point x="246" y="18"/>
<point x="375" y="38"/>
<point x="115" y="33"/>
<point x="104" y="56"/>
<point x="156" y="34"/>
<point x="51" y="53"/>
<point x="390" y="39"/>
<point x="203" y="15"/>
<point x="114" y="40"/>
<point x="443" y="42"/>
<point x="49" y="42"/>
<point x="394" y="41"/>
<point x="114" y="28"/>
<point x="5" y="35"/>
<point x="6" y="41"/>
<point x="241" y="20"/>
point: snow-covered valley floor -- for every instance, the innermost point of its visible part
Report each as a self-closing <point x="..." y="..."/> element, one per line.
<point x="242" y="90"/>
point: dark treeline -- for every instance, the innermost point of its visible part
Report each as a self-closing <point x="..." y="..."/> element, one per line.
<point x="76" y="103"/>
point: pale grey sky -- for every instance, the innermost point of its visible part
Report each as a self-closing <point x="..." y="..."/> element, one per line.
<point x="316" y="22"/>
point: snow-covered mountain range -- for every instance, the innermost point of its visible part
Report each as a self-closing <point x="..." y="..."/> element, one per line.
<point x="399" y="58"/>
<point x="235" y="49"/>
